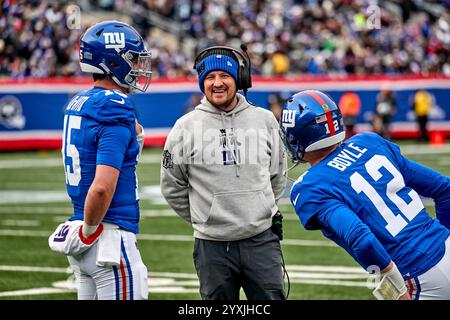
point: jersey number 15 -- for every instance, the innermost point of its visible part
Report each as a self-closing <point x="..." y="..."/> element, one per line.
<point x="73" y="175"/>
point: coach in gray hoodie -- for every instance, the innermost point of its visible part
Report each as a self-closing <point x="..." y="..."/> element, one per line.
<point x="223" y="172"/>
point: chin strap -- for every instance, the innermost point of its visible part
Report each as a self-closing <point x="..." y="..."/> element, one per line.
<point x="286" y="172"/>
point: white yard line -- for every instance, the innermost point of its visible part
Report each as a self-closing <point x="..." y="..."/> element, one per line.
<point x="32" y="196"/>
<point x="35" y="269"/>
<point x="20" y="223"/>
<point x="150" y="194"/>
<point x="34" y="291"/>
<point x="320" y="268"/>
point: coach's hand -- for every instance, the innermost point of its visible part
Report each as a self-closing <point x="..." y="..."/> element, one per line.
<point x="277" y="225"/>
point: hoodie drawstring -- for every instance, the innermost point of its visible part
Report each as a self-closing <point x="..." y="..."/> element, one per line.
<point x="228" y="142"/>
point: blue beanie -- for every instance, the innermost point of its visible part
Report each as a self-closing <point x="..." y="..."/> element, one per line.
<point x="213" y="63"/>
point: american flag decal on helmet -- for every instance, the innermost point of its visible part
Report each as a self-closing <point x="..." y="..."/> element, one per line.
<point x="321" y="119"/>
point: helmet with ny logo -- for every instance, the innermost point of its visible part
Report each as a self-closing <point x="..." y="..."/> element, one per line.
<point x="310" y="121"/>
<point x="117" y="50"/>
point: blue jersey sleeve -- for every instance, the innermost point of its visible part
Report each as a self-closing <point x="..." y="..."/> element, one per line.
<point x="113" y="142"/>
<point x="356" y="236"/>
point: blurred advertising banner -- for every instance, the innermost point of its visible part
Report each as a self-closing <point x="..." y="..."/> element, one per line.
<point x="31" y="110"/>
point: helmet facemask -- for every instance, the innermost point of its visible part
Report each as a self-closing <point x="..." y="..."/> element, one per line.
<point x="295" y="150"/>
<point x="139" y="77"/>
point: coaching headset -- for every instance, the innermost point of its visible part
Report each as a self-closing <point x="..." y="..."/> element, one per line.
<point x="244" y="78"/>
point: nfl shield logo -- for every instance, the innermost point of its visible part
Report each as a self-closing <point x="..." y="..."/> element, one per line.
<point x="167" y="161"/>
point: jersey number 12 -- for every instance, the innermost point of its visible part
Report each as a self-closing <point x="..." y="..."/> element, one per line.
<point x="395" y="223"/>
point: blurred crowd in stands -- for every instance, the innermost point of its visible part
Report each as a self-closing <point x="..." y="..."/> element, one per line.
<point x="284" y="37"/>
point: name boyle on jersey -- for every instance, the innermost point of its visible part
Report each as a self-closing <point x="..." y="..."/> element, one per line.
<point x="347" y="157"/>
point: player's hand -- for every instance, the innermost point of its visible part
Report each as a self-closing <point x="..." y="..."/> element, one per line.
<point x="139" y="136"/>
<point x="139" y="128"/>
<point x="68" y="238"/>
<point x="405" y="296"/>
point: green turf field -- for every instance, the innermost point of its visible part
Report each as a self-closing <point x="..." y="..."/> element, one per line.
<point x="33" y="201"/>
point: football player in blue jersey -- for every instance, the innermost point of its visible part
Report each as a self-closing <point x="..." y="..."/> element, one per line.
<point x="102" y="141"/>
<point x="364" y="195"/>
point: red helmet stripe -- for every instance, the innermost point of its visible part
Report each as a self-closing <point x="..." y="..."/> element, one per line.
<point x="325" y="108"/>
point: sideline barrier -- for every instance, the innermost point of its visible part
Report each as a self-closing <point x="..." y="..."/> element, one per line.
<point x="31" y="110"/>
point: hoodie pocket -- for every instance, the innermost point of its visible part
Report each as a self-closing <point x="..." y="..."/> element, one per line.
<point x="238" y="213"/>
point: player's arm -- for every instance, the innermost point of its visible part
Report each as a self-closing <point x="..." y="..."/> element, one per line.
<point x="99" y="197"/>
<point x="173" y="178"/>
<point x="368" y="251"/>
<point x="112" y="144"/>
<point x="429" y="183"/>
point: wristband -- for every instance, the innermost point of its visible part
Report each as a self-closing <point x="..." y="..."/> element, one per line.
<point x="88" y="230"/>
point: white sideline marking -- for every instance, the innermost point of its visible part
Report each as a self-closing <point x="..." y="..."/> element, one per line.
<point x="30" y="163"/>
<point x="332" y="282"/>
<point x="326" y="276"/>
<point x="35" y="291"/>
<point x="172" y="282"/>
<point x="32" y="196"/>
<point x="35" y="269"/>
<point x="320" y="268"/>
<point x="151" y="194"/>
<point x="21" y="223"/>
<point x="167" y="237"/>
<point x="36" y="210"/>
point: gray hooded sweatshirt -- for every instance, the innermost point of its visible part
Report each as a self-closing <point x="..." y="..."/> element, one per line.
<point x="223" y="172"/>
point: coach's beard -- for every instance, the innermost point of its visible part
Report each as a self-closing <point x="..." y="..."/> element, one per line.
<point x="226" y="104"/>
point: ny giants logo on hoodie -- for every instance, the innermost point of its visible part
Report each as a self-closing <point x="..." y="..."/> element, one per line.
<point x="230" y="147"/>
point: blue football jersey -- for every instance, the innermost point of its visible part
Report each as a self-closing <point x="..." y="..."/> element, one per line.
<point x="99" y="128"/>
<point x="368" y="175"/>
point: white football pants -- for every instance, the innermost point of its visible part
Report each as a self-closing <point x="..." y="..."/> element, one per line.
<point x="125" y="282"/>
<point x="435" y="283"/>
